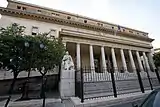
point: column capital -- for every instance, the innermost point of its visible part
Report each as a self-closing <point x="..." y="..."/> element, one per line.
<point x="102" y="46"/>
<point x="121" y="48"/>
<point x="129" y="50"/>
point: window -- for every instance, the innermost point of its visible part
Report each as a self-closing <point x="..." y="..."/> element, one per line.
<point x="68" y="17"/>
<point x="24" y="8"/>
<point x="100" y="24"/>
<point x="130" y="31"/>
<point x="112" y="27"/>
<point x="53" y="13"/>
<point x="123" y="30"/>
<point x="57" y="14"/>
<point x="18" y="7"/>
<point x="85" y="21"/>
<point x="39" y="11"/>
<point x="52" y="33"/>
<point x="34" y="30"/>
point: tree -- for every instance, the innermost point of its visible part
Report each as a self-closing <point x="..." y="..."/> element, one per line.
<point x="19" y="52"/>
<point x="156" y="58"/>
<point x="48" y="56"/>
<point x="12" y="52"/>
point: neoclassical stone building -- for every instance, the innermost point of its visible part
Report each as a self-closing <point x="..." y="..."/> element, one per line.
<point x="91" y="43"/>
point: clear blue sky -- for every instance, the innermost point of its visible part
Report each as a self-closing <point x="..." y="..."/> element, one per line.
<point x="138" y="14"/>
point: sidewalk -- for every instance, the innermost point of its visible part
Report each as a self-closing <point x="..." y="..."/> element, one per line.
<point x="75" y="101"/>
<point x="50" y="102"/>
<point x="110" y="101"/>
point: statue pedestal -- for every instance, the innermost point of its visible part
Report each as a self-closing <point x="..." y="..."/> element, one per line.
<point x="67" y="84"/>
<point x="67" y="79"/>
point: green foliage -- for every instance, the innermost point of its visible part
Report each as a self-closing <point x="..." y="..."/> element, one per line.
<point x="156" y="58"/>
<point x="19" y="52"/>
<point x="39" y="52"/>
<point x="11" y="47"/>
<point x="47" y="54"/>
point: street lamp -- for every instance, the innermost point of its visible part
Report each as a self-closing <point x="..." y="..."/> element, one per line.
<point x="26" y="44"/>
<point x="25" y="84"/>
<point x="41" y="46"/>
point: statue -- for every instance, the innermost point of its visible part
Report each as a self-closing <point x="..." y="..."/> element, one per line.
<point x="67" y="78"/>
<point x="67" y="62"/>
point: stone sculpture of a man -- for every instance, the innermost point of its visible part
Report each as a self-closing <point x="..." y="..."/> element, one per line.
<point x="67" y="62"/>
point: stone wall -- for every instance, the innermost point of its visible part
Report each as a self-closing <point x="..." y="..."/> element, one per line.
<point x="34" y="85"/>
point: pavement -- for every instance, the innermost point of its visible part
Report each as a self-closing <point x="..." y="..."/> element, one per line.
<point x="121" y="101"/>
<point x="125" y="100"/>
<point x="130" y="104"/>
<point x="51" y="102"/>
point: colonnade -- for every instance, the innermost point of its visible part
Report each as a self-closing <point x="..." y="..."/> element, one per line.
<point x="148" y="61"/>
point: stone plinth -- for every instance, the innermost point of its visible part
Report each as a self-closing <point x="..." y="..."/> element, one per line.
<point x="67" y="84"/>
<point x="67" y="78"/>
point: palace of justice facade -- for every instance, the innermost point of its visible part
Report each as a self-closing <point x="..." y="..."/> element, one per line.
<point x="91" y="43"/>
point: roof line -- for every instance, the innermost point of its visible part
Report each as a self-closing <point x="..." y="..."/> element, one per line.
<point x="69" y="13"/>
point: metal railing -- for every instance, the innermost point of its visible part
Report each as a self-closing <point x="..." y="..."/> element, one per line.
<point x="104" y="82"/>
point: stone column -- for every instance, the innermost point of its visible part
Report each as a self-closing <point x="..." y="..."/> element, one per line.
<point x="139" y="62"/>
<point x="146" y="61"/>
<point x="150" y="58"/>
<point x="132" y="61"/>
<point x="114" y="60"/>
<point x="123" y="60"/>
<point x="78" y="56"/>
<point x="91" y="58"/>
<point x="103" y="59"/>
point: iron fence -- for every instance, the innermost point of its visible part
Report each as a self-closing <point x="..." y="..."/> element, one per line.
<point x="95" y="83"/>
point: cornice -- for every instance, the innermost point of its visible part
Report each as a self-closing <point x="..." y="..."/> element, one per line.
<point x="63" y="21"/>
<point x="103" y="43"/>
<point x="68" y="13"/>
<point x="108" y="39"/>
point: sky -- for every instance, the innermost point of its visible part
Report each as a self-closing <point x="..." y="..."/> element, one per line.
<point x="137" y="14"/>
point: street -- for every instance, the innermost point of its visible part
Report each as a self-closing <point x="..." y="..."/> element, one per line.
<point x="128" y="104"/>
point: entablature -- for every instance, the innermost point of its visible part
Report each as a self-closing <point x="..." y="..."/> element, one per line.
<point x="103" y="43"/>
<point x="104" y="38"/>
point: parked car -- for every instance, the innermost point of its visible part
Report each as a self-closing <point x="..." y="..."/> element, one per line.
<point x="152" y="100"/>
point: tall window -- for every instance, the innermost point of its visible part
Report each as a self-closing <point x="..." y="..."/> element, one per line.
<point x="18" y="7"/>
<point x="52" y="33"/>
<point x="24" y="8"/>
<point x="34" y="30"/>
